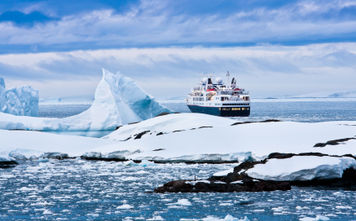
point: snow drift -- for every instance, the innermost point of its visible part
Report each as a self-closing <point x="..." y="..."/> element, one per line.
<point x="118" y="100"/>
<point x="18" y="101"/>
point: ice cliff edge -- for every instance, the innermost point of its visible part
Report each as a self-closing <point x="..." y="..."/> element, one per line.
<point x="18" y="101"/>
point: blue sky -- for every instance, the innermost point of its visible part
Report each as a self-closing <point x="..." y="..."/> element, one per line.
<point x="66" y="34"/>
<point x="32" y="26"/>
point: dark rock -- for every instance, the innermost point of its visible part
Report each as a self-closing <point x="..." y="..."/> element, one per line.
<point x="162" y="114"/>
<point x="139" y="135"/>
<point x="277" y="155"/>
<point x="126" y="139"/>
<point x="334" y="142"/>
<point x="103" y="159"/>
<point x="194" y="161"/>
<point x="253" y="186"/>
<point x="174" y="186"/>
<point x="201" y="127"/>
<point x="249" y="184"/>
<point x="158" y="149"/>
<point x="175" y="131"/>
<point x="8" y="164"/>
<point x="251" y="122"/>
<point x="55" y="155"/>
<point x="159" y="134"/>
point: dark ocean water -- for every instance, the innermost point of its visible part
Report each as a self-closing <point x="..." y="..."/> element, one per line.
<point x="82" y="190"/>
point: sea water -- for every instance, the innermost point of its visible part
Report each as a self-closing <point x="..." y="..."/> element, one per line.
<point x="83" y="190"/>
<point x="311" y="110"/>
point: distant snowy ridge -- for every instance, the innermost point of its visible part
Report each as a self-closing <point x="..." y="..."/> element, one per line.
<point x="344" y="94"/>
<point x="18" y="101"/>
<point x="341" y="94"/>
<point x="118" y="101"/>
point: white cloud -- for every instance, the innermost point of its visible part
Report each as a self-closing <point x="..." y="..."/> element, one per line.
<point x="155" y="23"/>
<point x="269" y="70"/>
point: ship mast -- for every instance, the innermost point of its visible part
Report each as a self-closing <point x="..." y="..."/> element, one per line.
<point x="228" y="76"/>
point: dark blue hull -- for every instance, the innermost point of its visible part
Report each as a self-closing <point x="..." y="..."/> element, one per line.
<point x="221" y="111"/>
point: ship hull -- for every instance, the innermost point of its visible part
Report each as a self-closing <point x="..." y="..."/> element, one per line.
<point x="221" y="111"/>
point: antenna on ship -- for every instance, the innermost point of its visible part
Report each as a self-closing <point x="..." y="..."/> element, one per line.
<point x="228" y="76"/>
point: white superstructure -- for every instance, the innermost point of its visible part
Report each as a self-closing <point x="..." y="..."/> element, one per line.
<point x="215" y="97"/>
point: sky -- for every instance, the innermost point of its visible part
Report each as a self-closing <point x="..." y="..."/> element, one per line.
<point x="275" y="48"/>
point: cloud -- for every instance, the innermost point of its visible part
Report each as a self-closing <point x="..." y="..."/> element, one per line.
<point x="268" y="70"/>
<point x="166" y="23"/>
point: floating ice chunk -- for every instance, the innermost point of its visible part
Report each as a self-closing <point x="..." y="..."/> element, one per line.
<point x="227" y="218"/>
<point x="317" y="218"/>
<point x="47" y="212"/>
<point x="125" y="206"/>
<point x="18" y="101"/>
<point x="183" y="202"/>
<point x="158" y="217"/>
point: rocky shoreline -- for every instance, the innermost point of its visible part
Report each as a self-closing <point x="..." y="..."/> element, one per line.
<point x="240" y="181"/>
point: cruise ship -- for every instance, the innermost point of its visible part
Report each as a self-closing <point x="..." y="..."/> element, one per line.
<point x="216" y="98"/>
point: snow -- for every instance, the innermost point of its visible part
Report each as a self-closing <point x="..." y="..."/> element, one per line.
<point x="170" y="123"/>
<point x="18" y="101"/>
<point x="33" y="144"/>
<point x="194" y="137"/>
<point x="118" y="100"/>
<point x="224" y="142"/>
<point x="302" y="168"/>
<point x="224" y="172"/>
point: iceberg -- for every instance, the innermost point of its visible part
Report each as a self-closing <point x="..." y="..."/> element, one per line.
<point x="118" y="101"/>
<point x="18" y="101"/>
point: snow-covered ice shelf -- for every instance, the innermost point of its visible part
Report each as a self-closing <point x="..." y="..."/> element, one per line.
<point x="193" y="137"/>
